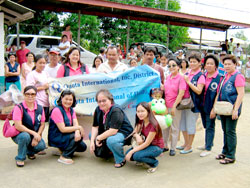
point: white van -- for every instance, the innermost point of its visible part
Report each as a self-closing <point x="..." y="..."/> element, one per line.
<point x="39" y="43"/>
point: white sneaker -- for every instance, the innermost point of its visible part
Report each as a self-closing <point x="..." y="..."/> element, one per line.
<point x="205" y="153"/>
<point x="201" y="148"/>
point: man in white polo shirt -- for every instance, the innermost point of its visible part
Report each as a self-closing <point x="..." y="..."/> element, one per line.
<point x="112" y="63"/>
<point x="52" y="67"/>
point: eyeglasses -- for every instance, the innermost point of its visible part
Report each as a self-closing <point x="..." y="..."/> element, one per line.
<point x="169" y="66"/>
<point x="29" y="94"/>
<point x="102" y="101"/>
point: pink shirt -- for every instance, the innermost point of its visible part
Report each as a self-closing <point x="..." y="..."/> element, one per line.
<point x="191" y="74"/>
<point x="239" y="80"/>
<point x="38" y="79"/>
<point x="69" y="35"/>
<point x="209" y="80"/>
<point x="172" y="86"/>
<point x="18" y="114"/>
<point x="57" y="116"/>
<point x="21" y="55"/>
<point x="72" y="72"/>
<point x="157" y="141"/>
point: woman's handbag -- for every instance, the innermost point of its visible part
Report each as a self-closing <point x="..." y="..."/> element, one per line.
<point x="131" y="137"/>
<point x="185" y="104"/>
<point x="8" y="130"/>
<point x="223" y="107"/>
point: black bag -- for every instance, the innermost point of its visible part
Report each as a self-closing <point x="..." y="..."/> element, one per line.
<point x="103" y="151"/>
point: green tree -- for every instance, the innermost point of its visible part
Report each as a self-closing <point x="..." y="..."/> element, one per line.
<point x="44" y="22"/>
<point x="145" y="31"/>
<point x="240" y="35"/>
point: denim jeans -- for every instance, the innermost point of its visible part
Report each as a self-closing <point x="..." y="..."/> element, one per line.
<point x="230" y="138"/>
<point x="115" y="143"/>
<point x="209" y="125"/>
<point x="73" y="147"/>
<point x="147" y="155"/>
<point x="24" y="146"/>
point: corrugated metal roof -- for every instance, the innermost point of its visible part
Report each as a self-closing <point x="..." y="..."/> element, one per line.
<point x="14" y="12"/>
<point x="118" y="10"/>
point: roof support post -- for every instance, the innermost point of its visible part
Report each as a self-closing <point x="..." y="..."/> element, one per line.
<point x="200" y="39"/>
<point x="168" y="29"/>
<point x="17" y="35"/>
<point x="226" y="35"/>
<point x="128" y="35"/>
<point x="2" y="61"/>
<point x="79" y="28"/>
<point x="2" y="44"/>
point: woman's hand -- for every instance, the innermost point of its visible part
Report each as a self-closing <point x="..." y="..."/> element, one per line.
<point x="138" y="138"/>
<point x="81" y="131"/>
<point x="98" y="142"/>
<point x="34" y="142"/>
<point x="92" y="147"/>
<point x="128" y="156"/>
<point x="212" y="114"/>
<point x="235" y="115"/>
<point x="77" y="136"/>
<point x="173" y="111"/>
<point x="186" y="78"/>
<point x="45" y="86"/>
<point x="37" y="136"/>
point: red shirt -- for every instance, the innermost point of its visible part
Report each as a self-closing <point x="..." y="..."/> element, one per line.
<point x="157" y="141"/>
<point x="21" y="55"/>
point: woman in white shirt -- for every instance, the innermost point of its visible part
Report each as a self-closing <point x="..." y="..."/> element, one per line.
<point x="64" y="45"/>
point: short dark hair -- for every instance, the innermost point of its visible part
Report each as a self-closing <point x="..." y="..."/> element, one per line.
<point x="150" y="49"/>
<point x="97" y="57"/>
<point x="107" y="94"/>
<point x="102" y="49"/>
<point x="67" y="92"/>
<point x="230" y="57"/>
<point x="28" y="88"/>
<point x="111" y="48"/>
<point x="11" y="54"/>
<point x="31" y="54"/>
<point x="195" y="55"/>
<point x="216" y="60"/>
<point x="175" y="60"/>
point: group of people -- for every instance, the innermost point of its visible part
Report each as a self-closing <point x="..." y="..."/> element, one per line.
<point x="182" y="79"/>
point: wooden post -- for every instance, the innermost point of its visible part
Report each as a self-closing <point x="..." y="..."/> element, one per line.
<point x="128" y="33"/>
<point x="79" y="29"/>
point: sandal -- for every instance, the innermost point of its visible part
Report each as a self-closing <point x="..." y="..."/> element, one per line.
<point x="227" y="161"/>
<point x="31" y="157"/>
<point x="220" y="156"/>
<point x="152" y="169"/>
<point x="41" y="152"/>
<point x="120" y="164"/>
<point x="20" y="163"/>
<point x="65" y="161"/>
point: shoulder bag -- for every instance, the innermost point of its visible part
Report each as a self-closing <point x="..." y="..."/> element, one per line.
<point x="223" y="107"/>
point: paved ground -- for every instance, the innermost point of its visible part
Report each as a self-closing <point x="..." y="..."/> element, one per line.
<point x="180" y="171"/>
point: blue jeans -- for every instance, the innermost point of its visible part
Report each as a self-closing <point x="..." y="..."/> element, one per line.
<point x="147" y="155"/>
<point x="24" y="146"/>
<point x="115" y="143"/>
<point x="209" y="125"/>
<point x="73" y="147"/>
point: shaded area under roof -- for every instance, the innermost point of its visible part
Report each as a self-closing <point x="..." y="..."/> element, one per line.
<point x="118" y="10"/>
<point x="14" y="12"/>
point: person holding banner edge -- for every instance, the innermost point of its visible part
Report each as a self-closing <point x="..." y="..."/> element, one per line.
<point x="72" y="65"/>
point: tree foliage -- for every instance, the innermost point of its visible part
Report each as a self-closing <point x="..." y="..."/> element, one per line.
<point x="240" y="35"/>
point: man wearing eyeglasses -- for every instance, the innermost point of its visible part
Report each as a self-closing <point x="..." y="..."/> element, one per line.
<point x="113" y="63"/>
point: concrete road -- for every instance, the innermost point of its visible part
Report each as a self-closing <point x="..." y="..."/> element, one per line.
<point x="183" y="171"/>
